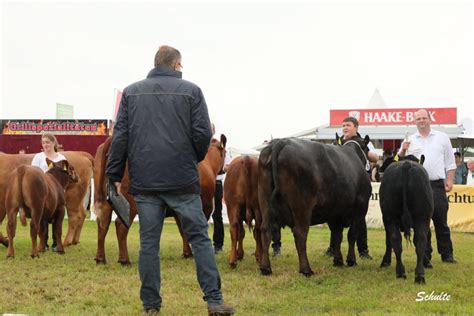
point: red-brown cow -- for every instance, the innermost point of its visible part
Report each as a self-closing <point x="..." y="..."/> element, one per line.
<point x="208" y="169"/>
<point x="41" y="196"/>
<point x="75" y="192"/>
<point x="241" y="198"/>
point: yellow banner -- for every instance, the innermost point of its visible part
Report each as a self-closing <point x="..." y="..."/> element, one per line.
<point x="460" y="214"/>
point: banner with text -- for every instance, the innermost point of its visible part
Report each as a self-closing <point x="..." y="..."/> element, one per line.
<point x="392" y="116"/>
<point x="460" y="214"/>
<point x="57" y="127"/>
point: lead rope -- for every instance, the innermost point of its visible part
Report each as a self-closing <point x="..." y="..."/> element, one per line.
<point x="367" y="163"/>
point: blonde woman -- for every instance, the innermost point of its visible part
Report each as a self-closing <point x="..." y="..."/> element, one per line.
<point x="49" y="143"/>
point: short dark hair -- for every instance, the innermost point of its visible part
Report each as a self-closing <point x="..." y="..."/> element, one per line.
<point x="166" y="56"/>
<point x="351" y="119"/>
<point x="457" y="154"/>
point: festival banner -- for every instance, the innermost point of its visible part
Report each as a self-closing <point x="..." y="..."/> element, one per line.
<point x="392" y="116"/>
<point x="56" y="127"/>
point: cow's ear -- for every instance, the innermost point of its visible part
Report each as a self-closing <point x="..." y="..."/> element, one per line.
<point x="223" y="141"/>
<point x="422" y="159"/>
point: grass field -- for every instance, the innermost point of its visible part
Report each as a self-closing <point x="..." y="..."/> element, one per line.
<point x="73" y="284"/>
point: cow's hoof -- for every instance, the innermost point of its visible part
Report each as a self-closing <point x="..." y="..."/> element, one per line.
<point x="124" y="262"/>
<point x="385" y="264"/>
<point x="187" y="255"/>
<point x="233" y="265"/>
<point x="351" y="263"/>
<point x="33" y="256"/>
<point x="401" y="276"/>
<point x="338" y="263"/>
<point x="420" y="280"/>
<point x="60" y="252"/>
<point x="100" y="261"/>
<point x="240" y="258"/>
<point x="307" y="273"/>
<point x="265" y="271"/>
<point x="10" y="257"/>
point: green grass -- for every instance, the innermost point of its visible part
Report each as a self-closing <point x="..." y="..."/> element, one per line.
<point x="73" y="284"/>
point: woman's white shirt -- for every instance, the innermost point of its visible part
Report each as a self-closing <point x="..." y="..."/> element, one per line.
<point x="39" y="160"/>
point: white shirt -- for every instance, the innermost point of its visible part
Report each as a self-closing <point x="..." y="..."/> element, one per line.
<point x="470" y="178"/>
<point x="227" y="161"/>
<point x="39" y="160"/>
<point x="436" y="147"/>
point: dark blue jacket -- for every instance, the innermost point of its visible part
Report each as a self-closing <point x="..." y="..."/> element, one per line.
<point x="163" y="129"/>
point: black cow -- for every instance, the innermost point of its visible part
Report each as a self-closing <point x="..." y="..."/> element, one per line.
<point x="406" y="201"/>
<point x="303" y="183"/>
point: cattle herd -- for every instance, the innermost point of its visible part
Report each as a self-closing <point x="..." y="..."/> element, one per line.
<point x="294" y="182"/>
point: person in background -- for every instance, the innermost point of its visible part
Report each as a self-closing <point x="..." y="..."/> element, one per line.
<point x="460" y="175"/>
<point x="440" y="166"/>
<point x="470" y="173"/>
<point x="49" y="143"/>
<point x="162" y="132"/>
<point x="218" y="235"/>
<point x="350" y="126"/>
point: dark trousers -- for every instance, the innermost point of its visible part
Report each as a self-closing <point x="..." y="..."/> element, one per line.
<point x="218" y="235"/>
<point x="440" y="221"/>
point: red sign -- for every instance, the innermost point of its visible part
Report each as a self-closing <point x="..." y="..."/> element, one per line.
<point x="392" y="116"/>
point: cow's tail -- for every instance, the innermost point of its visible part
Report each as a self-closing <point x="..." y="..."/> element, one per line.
<point x="101" y="178"/>
<point x="20" y="174"/>
<point x="275" y="205"/>
<point x="406" y="222"/>
<point x="247" y="170"/>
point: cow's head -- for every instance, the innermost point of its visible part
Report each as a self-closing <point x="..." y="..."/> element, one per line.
<point x="359" y="144"/>
<point x="63" y="171"/>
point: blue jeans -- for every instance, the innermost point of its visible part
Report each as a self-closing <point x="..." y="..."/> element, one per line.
<point x="188" y="207"/>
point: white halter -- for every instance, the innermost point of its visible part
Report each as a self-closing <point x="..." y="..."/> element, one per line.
<point x="367" y="164"/>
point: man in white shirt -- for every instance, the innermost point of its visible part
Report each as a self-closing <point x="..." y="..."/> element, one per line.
<point x="440" y="165"/>
<point x="470" y="174"/>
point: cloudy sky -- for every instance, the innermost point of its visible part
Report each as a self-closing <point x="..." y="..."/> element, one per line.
<point x="266" y="68"/>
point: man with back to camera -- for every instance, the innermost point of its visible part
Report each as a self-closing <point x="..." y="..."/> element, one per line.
<point x="350" y="126"/>
<point x="440" y="165"/>
<point x="163" y="129"/>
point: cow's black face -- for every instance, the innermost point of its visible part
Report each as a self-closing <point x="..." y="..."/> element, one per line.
<point x="360" y="147"/>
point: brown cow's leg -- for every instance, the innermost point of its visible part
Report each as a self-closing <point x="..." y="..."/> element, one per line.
<point x="122" y="233"/>
<point x="11" y="229"/>
<point x="58" y="229"/>
<point x="35" y="223"/>
<point x="76" y="216"/>
<point x="233" y="228"/>
<point x="42" y="236"/>
<point x="103" y="224"/>
<point x="187" y="252"/>
<point x="240" y="250"/>
<point x="300" y="233"/>
<point x="3" y="240"/>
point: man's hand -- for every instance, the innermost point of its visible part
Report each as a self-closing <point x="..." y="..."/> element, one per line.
<point x="405" y="145"/>
<point x="118" y="186"/>
<point x="448" y="185"/>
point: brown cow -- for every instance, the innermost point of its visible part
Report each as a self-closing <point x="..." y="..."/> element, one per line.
<point x="208" y="169"/>
<point x="75" y="193"/>
<point x="241" y="198"/>
<point x="41" y="196"/>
